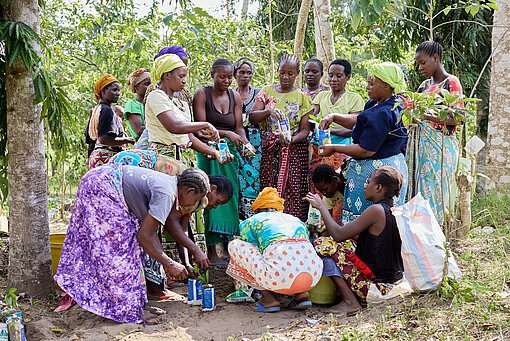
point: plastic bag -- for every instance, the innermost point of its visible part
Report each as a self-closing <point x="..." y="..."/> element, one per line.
<point x="423" y="245"/>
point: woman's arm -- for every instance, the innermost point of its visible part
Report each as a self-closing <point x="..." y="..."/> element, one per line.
<point x="259" y="112"/>
<point x="304" y="129"/>
<point x="149" y="240"/>
<point x="449" y="120"/>
<point x="353" y="150"/>
<point x="109" y="140"/>
<point x="345" y="120"/>
<point x="174" y="126"/>
<point x="135" y="120"/>
<point x="342" y="132"/>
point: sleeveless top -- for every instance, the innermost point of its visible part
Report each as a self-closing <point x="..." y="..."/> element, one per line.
<point x="217" y="119"/>
<point x="382" y="253"/>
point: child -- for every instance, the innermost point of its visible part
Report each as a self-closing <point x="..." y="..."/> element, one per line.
<point x="378" y="243"/>
<point x="331" y="185"/>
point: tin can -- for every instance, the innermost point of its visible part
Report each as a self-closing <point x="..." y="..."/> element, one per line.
<point x="323" y="136"/>
<point x="16" y="327"/>
<point x="194" y="292"/>
<point x="209" y="298"/>
<point x="4" y="332"/>
<point x="223" y="149"/>
<point x="284" y="127"/>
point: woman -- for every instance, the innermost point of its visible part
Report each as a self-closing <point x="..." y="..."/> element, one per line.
<point x="378" y="137"/>
<point x="104" y="133"/>
<point x="340" y="101"/>
<point x="115" y="217"/>
<point x="183" y="95"/>
<point x="221" y="107"/>
<point x="283" y="165"/>
<point x="137" y="82"/>
<point x="274" y="255"/>
<point x="433" y="148"/>
<point x="313" y="72"/>
<point x="249" y="169"/>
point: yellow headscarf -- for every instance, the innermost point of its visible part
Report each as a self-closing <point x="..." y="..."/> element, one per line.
<point x="136" y="77"/>
<point x="268" y="198"/>
<point x="164" y="63"/>
<point x="101" y="83"/>
<point x="390" y="73"/>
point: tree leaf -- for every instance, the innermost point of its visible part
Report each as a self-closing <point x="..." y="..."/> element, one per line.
<point x="379" y="5"/>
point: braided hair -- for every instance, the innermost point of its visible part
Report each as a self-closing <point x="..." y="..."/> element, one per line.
<point x="289" y="58"/>
<point x="194" y="178"/>
<point x="223" y="185"/>
<point x="432" y="47"/>
<point x="316" y="61"/>
<point x="391" y="180"/>
<point x="219" y="63"/>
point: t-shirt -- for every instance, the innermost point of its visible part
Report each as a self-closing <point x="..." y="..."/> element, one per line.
<point x="158" y="102"/>
<point x="294" y="105"/>
<point x="133" y="107"/>
<point x="264" y="228"/>
<point x="347" y="103"/>
<point x="378" y="128"/>
<point x="332" y="202"/>
<point x="149" y="192"/>
<point x="108" y="124"/>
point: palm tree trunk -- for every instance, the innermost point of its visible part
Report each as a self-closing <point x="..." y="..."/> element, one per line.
<point x="29" y="244"/>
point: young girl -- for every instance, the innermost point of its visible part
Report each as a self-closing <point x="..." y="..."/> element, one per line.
<point x="378" y="243"/>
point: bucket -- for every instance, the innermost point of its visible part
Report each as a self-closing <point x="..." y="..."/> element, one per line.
<point x="56" y="242"/>
<point x="324" y="292"/>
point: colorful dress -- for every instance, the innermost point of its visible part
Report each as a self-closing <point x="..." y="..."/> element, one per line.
<point x="221" y="223"/>
<point x="285" y="168"/>
<point x="133" y="107"/>
<point x="432" y="154"/>
<point x="317" y="91"/>
<point x="378" y="129"/>
<point x="274" y="254"/>
<point x="249" y="180"/>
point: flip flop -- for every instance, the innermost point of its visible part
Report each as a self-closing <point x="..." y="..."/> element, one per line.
<point x="262" y="309"/>
<point x="220" y="263"/>
<point x="66" y="302"/>
<point x="303" y="305"/>
<point x="226" y="259"/>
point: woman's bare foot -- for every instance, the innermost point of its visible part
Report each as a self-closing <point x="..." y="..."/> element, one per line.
<point x="155" y="310"/>
<point x="267" y="300"/>
<point x="150" y="318"/>
<point x="348" y="307"/>
<point x="303" y="296"/>
<point x="214" y="259"/>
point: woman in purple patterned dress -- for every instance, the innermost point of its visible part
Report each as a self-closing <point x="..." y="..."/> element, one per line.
<point x="114" y="221"/>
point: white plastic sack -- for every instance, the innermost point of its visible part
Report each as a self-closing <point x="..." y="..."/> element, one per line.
<point x="423" y="244"/>
<point x="374" y="295"/>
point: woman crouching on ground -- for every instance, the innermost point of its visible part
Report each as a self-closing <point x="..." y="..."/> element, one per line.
<point x="274" y="255"/>
<point x="114" y="221"/>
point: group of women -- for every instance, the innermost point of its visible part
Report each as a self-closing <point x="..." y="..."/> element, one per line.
<point x="158" y="204"/>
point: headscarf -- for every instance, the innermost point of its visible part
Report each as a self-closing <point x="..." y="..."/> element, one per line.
<point x="101" y="83"/>
<point x="390" y="73"/>
<point x="136" y="77"/>
<point x="177" y="50"/>
<point x="243" y="60"/>
<point x="268" y="198"/>
<point x="164" y="63"/>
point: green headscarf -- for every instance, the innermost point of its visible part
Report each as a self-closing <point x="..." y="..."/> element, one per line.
<point x="164" y="63"/>
<point x="390" y="73"/>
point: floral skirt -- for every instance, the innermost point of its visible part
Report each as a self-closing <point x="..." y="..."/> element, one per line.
<point x="101" y="257"/>
<point x="287" y="266"/>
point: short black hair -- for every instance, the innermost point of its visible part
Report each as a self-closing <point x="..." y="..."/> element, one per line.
<point x="223" y="184"/>
<point x="344" y="63"/>
<point x="221" y="62"/>
<point x="324" y="174"/>
<point x="431" y="47"/>
<point x="391" y="180"/>
<point x="316" y="61"/>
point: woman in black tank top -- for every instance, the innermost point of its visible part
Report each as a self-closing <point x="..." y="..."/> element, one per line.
<point x="221" y="107"/>
<point x="376" y="259"/>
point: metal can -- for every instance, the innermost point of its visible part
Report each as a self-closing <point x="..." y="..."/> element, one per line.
<point x="209" y="298"/>
<point x="194" y="292"/>
<point x="223" y="149"/>
<point x="4" y="332"/>
<point x="284" y="127"/>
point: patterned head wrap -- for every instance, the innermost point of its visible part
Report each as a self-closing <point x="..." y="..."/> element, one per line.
<point x="177" y="50"/>
<point x="241" y="61"/>
<point x="164" y="63"/>
<point x="136" y="77"/>
<point x="101" y="83"/>
<point x="268" y="198"/>
<point x="390" y="73"/>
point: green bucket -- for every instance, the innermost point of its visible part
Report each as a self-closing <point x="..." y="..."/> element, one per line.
<point x="324" y="292"/>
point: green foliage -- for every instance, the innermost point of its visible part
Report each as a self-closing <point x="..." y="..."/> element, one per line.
<point x="10" y="299"/>
<point x="204" y="277"/>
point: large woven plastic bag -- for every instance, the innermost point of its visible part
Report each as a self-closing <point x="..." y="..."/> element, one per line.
<point x="423" y="245"/>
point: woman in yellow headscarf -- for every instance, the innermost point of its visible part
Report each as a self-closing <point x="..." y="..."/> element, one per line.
<point x="274" y="255"/>
<point x="105" y="133"/>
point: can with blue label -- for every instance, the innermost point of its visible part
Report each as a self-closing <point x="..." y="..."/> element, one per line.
<point x="209" y="298"/>
<point x="194" y="291"/>
<point x="16" y="327"/>
<point x="4" y="332"/>
<point x="323" y="136"/>
<point x="285" y="129"/>
<point x="223" y="149"/>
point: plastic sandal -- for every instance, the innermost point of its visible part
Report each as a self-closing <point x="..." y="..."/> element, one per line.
<point x="262" y="309"/>
<point x="300" y="306"/>
<point x="66" y="302"/>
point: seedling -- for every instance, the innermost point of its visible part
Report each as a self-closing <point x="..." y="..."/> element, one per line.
<point x="10" y="299"/>
<point x="204" y="276"/>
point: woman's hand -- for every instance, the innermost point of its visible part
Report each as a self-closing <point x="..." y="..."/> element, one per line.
<point x="314" y="200"/>
<point x="228" y="159"/>
<point x="276" y="114"/>
<point x="175" y="271"/>
<point x="326" y="122"/>
<point x="283" y="140"/>
<point x="201" y="259"/>
<point x="326" y="150"/>
<point x="236" y="139"/>
<point x="190" y="269"/>
<point x="208" y="134"/>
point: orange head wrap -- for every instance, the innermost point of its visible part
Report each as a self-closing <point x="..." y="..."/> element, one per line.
<point x="268" y="198"/>
<point x="101" y="83"/>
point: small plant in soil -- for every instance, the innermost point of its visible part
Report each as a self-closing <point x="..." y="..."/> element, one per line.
<point x="202" y="275"/>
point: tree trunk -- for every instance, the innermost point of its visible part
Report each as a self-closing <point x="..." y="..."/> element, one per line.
<point x="244" y="13"/>
<point x="324" y="43"/>
<point x="29" y="242"/>
<point x="299" y="39"/>
<point x="498" y="133"/>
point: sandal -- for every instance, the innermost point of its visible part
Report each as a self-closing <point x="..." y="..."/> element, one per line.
<point x="262" y="309"/>
<point x="303" y="305"/>
<point x="66" y="302"/>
